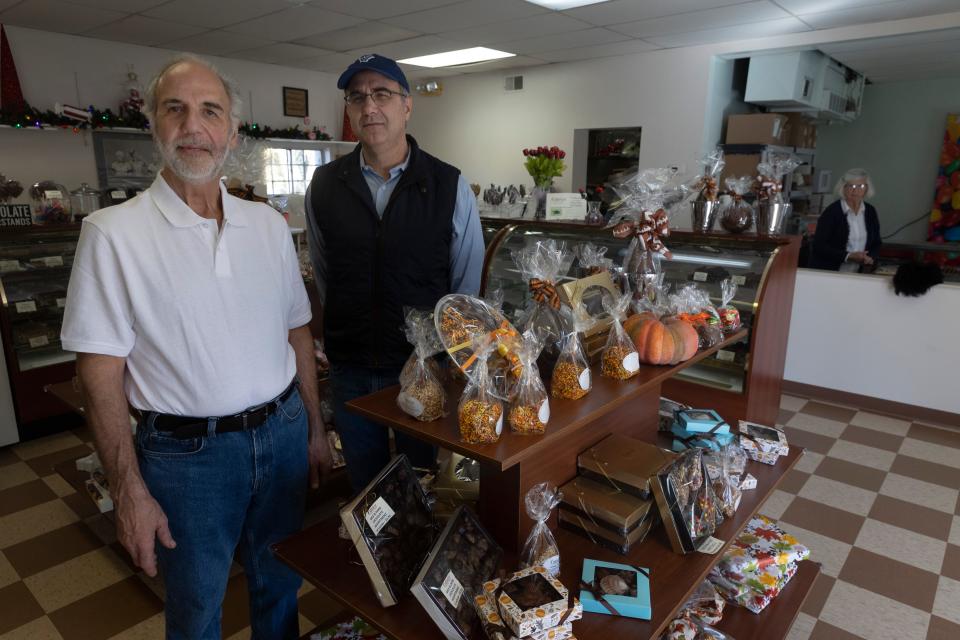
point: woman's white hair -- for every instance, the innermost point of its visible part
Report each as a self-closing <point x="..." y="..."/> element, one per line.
<point x="855" y="175"/>
<point x="233" y="93"/>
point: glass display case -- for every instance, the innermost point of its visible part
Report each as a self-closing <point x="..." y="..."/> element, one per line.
<point x="34" y="273"/>
<point x="946" y="255"/>
<point x="705" y="260"/>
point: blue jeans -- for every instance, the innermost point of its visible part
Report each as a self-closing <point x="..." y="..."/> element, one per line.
<point x="240" y="491"/>
<point x="366" y="444"/>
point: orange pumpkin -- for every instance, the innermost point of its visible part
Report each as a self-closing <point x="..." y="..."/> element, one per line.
<point x="659" y="342"/>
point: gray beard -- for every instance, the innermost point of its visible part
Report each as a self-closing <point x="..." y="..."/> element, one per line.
<point x="189" y="171"/>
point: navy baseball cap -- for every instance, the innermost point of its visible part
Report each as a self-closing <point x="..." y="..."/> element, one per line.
<point x="374" y="62"/>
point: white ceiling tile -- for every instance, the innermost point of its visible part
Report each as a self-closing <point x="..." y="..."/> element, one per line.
<point x="700" y="20"/>
<point x="871" y="44"/>
<point x="294" y="23"/>
<point x="880" y="13"/>
<point x="333" y="63"/>
<point x="144" y="31"/>
<point x="215" y="13"/>
<point x="279" y="53"/>
<point x="917" y="53"/>
<point x="568" y="40"/>
<point x="504" y="63"/>
<point x="798" y="7"/>
<point x="620" y="11"/>
<point x="419" y="46"/>
<point x="532" y="27"/>
<point x="376" y="9"/>
<point x="727" y="34"/>
<point x="455" y="16"/>
<point x="52" y="15"/>
<point x="624" y="48"/>
<point x="215" y="43"/>
<point x="124" y="6"/>
<point x="419" y="74"/>
<point x="367" y="34"/>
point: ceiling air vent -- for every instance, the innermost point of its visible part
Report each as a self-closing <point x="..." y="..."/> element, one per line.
<point x="513" y="83"/>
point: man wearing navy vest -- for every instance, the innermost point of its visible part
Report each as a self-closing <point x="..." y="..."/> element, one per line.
<point x="390" y="226"/>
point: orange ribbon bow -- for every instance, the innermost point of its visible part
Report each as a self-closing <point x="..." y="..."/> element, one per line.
<point x="545" y="291"/>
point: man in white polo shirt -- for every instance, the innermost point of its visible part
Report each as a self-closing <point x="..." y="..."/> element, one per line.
<point x="188" y="303"/>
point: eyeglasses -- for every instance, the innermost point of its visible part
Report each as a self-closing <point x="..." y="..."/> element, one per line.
<point x="855" y="187"/>
<point x="380" y="97"/>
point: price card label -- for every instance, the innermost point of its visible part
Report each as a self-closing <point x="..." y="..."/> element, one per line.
<point x="39" y="341"/>
<point x="710" y="546"/>
<point x="50" y="195"/>
<point x="118" y="195"/>
<point x="9" y="265"/>
<point x="725" y="356"/>
<point x="61" y="303"/>
<point x="739" y="280"/>
<point x="451" y="589"/>
<point x="699" y="276"/>
<point x="378" y="515"/>
<point x="52" y="261"/>
<point x="27" y="306"/>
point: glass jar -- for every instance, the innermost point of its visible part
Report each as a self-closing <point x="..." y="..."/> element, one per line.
<point x="51" y="203"/>
<point x="593" y="213"/>
<point x="84" y="201"/>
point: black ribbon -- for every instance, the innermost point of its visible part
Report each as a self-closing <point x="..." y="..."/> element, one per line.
<point x="599" y="597"/>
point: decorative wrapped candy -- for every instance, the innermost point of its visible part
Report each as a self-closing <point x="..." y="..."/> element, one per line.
<point x="705" y="604"/>
<point x="540" y="264"/>
<point x="729" y="316"/>
<point x="702" y="420"/>
<point x="755" y="590"/>
<point x="748" y="483"/>
<point x="762" y="544"/>
<point x="532" y="601"/>
<point x="763" y="438"/>
<point x="615" y="589"/>
<point x="686" y="501"/>
<point x="713" y="164"/>
<point x="769" y="183"/>
<point x="421" y="394"/>
<point x="494" y="627"/>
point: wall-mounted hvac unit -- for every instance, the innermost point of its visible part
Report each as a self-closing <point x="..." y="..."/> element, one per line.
<point x="805" y="81"/>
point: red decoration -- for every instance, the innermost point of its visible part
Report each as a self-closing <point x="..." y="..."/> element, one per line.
<point x="348" y="134"/>
<point x="11" y="96"/>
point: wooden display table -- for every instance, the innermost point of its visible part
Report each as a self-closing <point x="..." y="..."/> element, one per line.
<point x="515" y="463"/>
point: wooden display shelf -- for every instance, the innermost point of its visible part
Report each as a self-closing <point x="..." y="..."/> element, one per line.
<point x="331" y="564"/>
<point x="567" y="416"/>
<point x="514" y="464"/>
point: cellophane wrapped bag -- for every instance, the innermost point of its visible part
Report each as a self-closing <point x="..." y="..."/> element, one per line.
<point x="480" y="414"/>
<point x="770" y="177"/>
<point x="540" y="549"/>
<point x="729" y="316"/>
<point x="571" y="377"/>
<point x="421" y="392"/>
<point x="530" y="409"/>
<point x="540" y="264"/>
<point x="619" y="359"/>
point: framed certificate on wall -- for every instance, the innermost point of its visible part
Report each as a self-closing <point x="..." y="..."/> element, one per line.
<point x="295" y="102"/>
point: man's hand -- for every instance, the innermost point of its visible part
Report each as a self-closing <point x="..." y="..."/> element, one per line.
<point x="318" y="453"/>
<point x="322" y="363"/>
<point x="140" y="523"/>
<point x="858" y="256"/>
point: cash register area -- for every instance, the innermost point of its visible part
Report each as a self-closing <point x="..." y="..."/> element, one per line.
<point x="886" y="529"/>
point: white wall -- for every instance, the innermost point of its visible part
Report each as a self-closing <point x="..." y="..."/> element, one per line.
<point x="852" y="333"/>
<point x="897" y="139"/>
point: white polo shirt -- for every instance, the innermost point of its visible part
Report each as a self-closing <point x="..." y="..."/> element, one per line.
<point x="201" y="314"/>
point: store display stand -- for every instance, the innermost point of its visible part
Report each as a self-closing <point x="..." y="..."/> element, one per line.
<point x="509" y="468"/>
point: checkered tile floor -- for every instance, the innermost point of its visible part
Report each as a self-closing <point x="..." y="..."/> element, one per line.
<point x="63" y="575"/>
<point x="875" y="498"/>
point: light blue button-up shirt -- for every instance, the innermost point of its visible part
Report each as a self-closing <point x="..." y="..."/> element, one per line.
<point x="466" y="245"/>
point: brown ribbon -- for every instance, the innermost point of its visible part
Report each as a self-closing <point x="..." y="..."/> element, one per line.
<point x="545" y="291"/>
<point x="649" y="230"/>
<point x="601" y="597"/>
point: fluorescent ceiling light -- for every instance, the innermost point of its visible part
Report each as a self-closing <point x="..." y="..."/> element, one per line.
<point x="559" y="5"/>
<point x="454" y="58"/>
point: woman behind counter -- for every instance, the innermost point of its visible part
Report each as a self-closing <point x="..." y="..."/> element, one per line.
<point x="848" y="231"/>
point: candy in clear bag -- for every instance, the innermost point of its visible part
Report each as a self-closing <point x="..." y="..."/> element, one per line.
<point x="730" y="461"/>
<point x="480" y="414"/>
<point x="540" y="265"/>
<point x="592" y="259"/>
<point x="692" y="305"/>
<point x="769" y="184"/>
<point x="530" y="409"/>
<point x="540" y="549"/>
<point x="421" y="392"/>
<point x="571" y="378"/>
<point x="729" y="316"/>
<point x="736" y="215"/>
<point x="619" y="359"/>
<point x="709" y="183"/>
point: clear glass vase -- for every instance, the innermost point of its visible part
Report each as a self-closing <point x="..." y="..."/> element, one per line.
<point x="539" y="196"/>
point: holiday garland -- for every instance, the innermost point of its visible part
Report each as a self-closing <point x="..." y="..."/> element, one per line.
<point x="26" y="117"/>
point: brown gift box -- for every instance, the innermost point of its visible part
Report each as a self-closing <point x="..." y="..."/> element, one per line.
<point x="623" y="463"/>
<point x="601" y="534"/>
<point x="620" y="512"/>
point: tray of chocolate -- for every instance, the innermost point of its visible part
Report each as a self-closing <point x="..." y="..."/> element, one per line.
<point x="462" y="558"/>
<point x="461" y="320"/>
<point x="392" y="528"/>
<point x="686" y="501"/>
<point x="531" y="601"/>
<point x="623" y="464"/>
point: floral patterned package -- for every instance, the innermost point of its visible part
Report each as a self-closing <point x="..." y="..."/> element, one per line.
<point x="762" y="543"/>
<point x="755" y="590"/>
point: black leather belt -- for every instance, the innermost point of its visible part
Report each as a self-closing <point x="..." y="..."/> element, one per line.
<point x="183" y="427"/>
